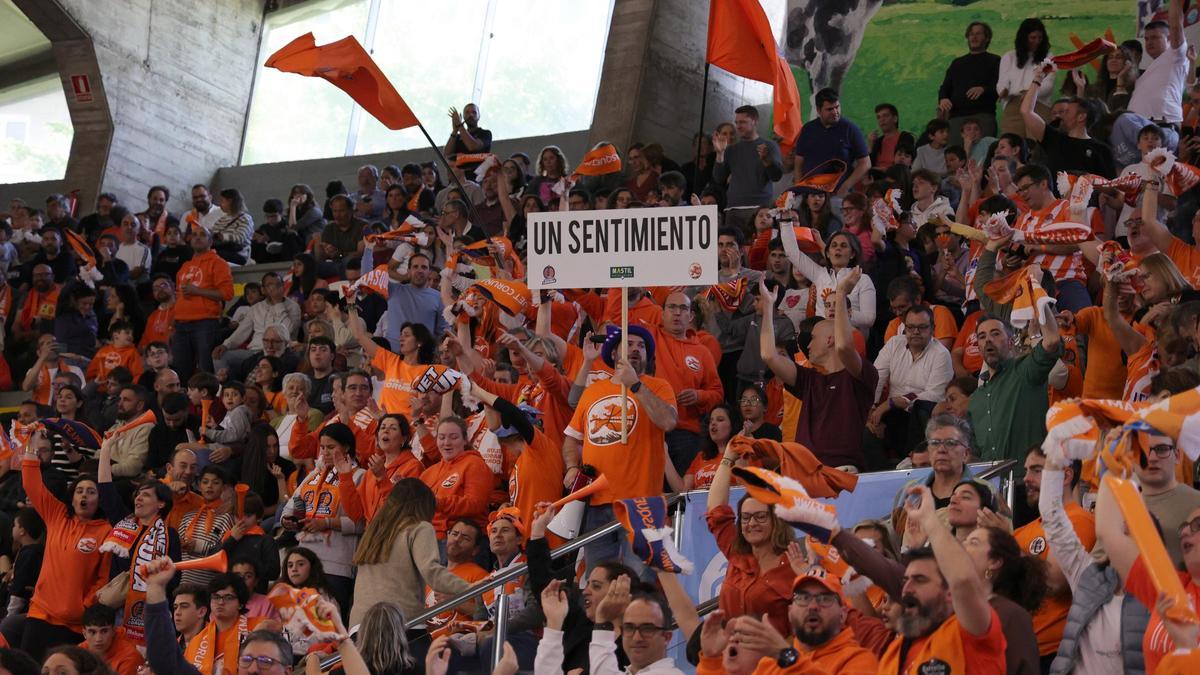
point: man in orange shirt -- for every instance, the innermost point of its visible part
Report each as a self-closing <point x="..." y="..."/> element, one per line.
<point x="1051" y="618"/>
<point x="1064" y="261"/>
<point x="104" y="640"/>
<point x="462" y="543"/>
<point x="160" y="325"/>
<point x="205" y="285"/>
<point x="690" y="369"/>
<point x="636" y="467"/>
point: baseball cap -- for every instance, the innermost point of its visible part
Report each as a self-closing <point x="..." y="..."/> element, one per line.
<point x="823" y="577"/>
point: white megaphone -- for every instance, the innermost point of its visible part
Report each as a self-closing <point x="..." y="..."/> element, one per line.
<point x="569" y="519"/>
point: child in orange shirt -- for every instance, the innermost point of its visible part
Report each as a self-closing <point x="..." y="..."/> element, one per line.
<point x="122" y="352"/>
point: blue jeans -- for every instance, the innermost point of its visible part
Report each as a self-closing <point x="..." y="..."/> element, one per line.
<point x="192" y="346"/>
<point x="1073" y="295"/>
<point x="612" y="547"/>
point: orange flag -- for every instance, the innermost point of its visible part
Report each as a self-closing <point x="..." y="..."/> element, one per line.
<point x="797" y="461"/>
<point x="600" y="161"/>
<point x="80" y="246"/>
<point x="347" y="66"/>
<point x="1084" y="55"/>
<point x="740" y="41"/>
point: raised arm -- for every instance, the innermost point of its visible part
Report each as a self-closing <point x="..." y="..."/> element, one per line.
<point x="1110" y="533"/>
<point x="843" y="336"/>
<point x="1035" y="126"/>
<point x="971" y="605"/>
<point x="718" y="491"/>
<point x="783" y="367"/>
<point x="358" y="328"/>
<point x="1129" y="339"/>
<point x="1152" y="232"/>
<point x="1175" y="23"/>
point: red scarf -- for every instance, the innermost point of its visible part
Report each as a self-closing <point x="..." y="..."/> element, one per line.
<point x="729" y="294"/>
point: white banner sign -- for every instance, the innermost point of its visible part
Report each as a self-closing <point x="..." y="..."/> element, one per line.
<point x="665" y="246"/>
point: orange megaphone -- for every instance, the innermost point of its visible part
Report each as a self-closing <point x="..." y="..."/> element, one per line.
<point x="217" y="562"/>
<point x="241" y="489"/>
<point x="205" y="405"/>
<point x="600" y="483"/>
<point x="147" y="417"/>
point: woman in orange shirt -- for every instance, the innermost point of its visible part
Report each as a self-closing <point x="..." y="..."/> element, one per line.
<point x="73" y="568"/>
<point x="461" y="481"/>
<point x="720" y="424"/>
<point x="394" y="461"/>
<point x="755" y="541"/>
<point x="266" y="375"/>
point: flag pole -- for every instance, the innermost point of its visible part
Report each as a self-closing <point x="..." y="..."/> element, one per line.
<point x="624" y="357"/>
<point x="696" y="187"/>
<point x="453" y="176"/>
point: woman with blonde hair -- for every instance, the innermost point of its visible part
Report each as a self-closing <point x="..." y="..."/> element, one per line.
<point x="383" y="643"/>
<point x="398" y="555"/>
<point x="551" y="167"/>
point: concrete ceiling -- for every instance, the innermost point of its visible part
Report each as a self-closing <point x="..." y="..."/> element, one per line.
<point x="20" y="40"/>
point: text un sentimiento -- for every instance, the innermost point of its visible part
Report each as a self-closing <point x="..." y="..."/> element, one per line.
<point x="623" y="235"/>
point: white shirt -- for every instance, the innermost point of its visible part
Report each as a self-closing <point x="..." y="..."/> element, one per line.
<point x="263" y="314"/>
<point x="825" y="280"/>
<point x="206" y="220"/>
<point x="1158" y="94"/>
<point x="134" y="255"/>
<point x="925" y="375"/>
<point x="602" y="656"/>
<point x="1016" y="80"/>
<point x="1142" y="169"/>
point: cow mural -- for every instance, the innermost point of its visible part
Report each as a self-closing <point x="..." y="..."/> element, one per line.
<point x="822" y="37"/>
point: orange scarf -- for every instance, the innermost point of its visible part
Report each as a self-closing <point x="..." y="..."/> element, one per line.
<point x="414" y="202"/>
<point x="209" y="644"/>
<point x="206" y="513"/>
<point x="38" y="305"/>
<point x="320" y="494"/>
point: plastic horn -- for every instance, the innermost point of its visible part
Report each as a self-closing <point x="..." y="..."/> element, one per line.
<point x="217" y="562"/>
<point x="241" y="489"/>
<point x="600" y="483"/>
<point x="205" y="405"/>
<point x="145" y="418"/>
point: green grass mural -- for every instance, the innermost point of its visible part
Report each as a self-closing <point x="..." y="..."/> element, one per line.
<point x="908" y="46"/>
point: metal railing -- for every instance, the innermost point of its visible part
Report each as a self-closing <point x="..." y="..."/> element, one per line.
<point x="508" y="574"/>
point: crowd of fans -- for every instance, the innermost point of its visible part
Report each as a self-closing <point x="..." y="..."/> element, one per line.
<point x="368" y="434"/>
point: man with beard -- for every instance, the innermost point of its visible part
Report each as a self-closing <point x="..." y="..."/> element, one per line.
<point x="946" y="622"/>
<point x="1008" y="411"/>
<point x="203" y="213"/>
<point x="635" y="467"/>
<point x="1051" y="618"/>
<point x="156" y="217"/>
<point x="130" y="449"/>
<point x="818" y="618"/>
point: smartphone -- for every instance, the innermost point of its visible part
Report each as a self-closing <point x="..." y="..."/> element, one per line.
<point x="598" y="339"/>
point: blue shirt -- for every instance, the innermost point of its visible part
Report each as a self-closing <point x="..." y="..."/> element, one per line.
<point x="818" y="144"/>
<point x="416" y="305"/>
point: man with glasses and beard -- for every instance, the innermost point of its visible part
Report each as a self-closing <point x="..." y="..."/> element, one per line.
<point x="946" y="621"/>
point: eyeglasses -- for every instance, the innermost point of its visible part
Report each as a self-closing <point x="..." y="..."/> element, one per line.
<point x="756" y="516"/>
<point x="263" y="662"/>
<point x="922" y="327"/>
<point x="1190" y="527"/>
<point x="1163" y="450"/>
<point x="647" y="630"/>
<point x="752" y="400"/>
<point x="224" y="597"/>
<point x="947" y="443"/>
<point x="822" y="599"/>
<point x="1023" y="190"/>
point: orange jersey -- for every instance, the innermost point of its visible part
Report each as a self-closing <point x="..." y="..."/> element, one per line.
<point x="160" y="326"/>
<point x="468" y="572"/>
<point x="306" y="445"/>
<point x="182" y="505"/>
<point x="1186" y="258"/>
<point x="548" y="394"/>
<point x="1070" y="357"/>
<point x="702" y="471"/>
<point x="1063" y="267"/>
<point x="207" y="271"/>
<point x="949" y="649"/>
<point x="1156" y="643"/>
<point x="398" y="377"/>
<point x="636" y="468"/>
<point x="944" y="325"/>
<point x="968" y="341"/>
<point x="1105" y="374"/>
<point x="687" y="364"/>
<point x="109" y="357"/>
<point x="462" y="486"/>
<point x="1141" y="367"/>
<point x="1051" y="618"/>
<point x="536" y="475"/>
<point x="362" y="502"/>
<point x="73" y="568"/>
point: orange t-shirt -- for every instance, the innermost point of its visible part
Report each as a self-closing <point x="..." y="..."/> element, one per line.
<point x="398" y="377"/>
<point x="362" y="502"/>
<point x="160" y="326"/>
<point x="207" y="271"/>
<point x="1186" y="258"/>
<point x="703" y="470"/>
<point x="969" y="343"/>
<point x="635" y="469"/>
<point x="73" y="567"/>
<point x="1051" y="618"/>
<point x="468" y="572"/>
<point x="1105" y="373"/>
<point x="949" y="649"/>
<point x="944" y="325"/>
<point x="1141" y="367"/>
<point x="122" y="656"/>
<point x="109" y="357"/>
<point x="537" y="474"/>
<point x="461" y="486"/>
<point x="1156" y="643"/>
<point x="182" y="505"/>
<point x="1069" y="355"/>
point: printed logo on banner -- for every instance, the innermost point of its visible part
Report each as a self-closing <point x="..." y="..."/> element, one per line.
<point x="604" y="420"/>
<point x="695" y="270"/>
<point x="620" y="272"/>
<point x="548" y="275"/>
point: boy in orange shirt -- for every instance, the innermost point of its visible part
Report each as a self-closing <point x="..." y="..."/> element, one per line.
<point x="122" y="352"/>
<point x="104" y="640"/>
